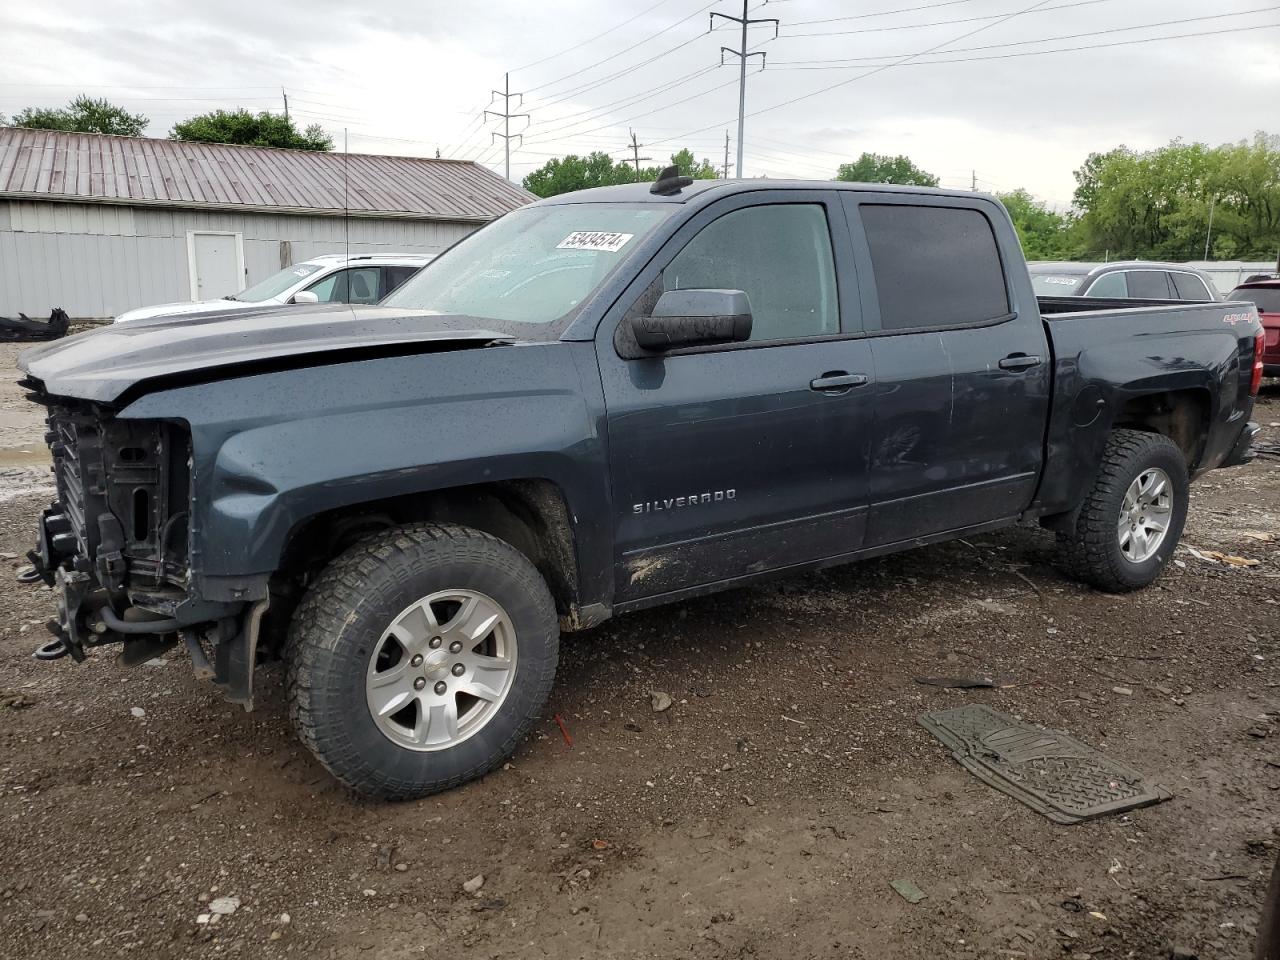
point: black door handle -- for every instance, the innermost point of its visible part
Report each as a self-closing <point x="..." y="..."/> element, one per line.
<point x="837" y="381"/>
<point x="1019" y="361"/>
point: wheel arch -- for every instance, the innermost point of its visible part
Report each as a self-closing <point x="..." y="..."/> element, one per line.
<point x="532" y="514"/>
<point x="1183" y="415"/>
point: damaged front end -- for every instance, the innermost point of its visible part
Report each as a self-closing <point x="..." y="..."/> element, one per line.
<point x="114" y="546"/>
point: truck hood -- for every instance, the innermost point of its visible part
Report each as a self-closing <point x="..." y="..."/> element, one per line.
<point x="103" y="364"/>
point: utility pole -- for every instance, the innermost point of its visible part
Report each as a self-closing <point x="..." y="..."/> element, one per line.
<point x="286" y="103"/>
<point x="742" y="55"/>
<point x="1209" y="233"/>
<point x="506" y="116"/>
<point x="974" y="185"/>
<point x="635" y="153"/>
<point x="726" y="154"/>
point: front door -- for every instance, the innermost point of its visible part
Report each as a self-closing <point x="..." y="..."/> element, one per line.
<point x="962" y="391"/>
<point x="216" y="265"/>
<point x="731" y="460"/>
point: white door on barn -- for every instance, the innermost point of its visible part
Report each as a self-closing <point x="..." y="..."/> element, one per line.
<point x="216" y="264"/>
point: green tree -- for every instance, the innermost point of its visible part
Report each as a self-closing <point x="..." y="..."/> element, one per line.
<point x="880" y="168"/>
<point x="259" y="130"/>
<point x="565" y="174"/>
<point x="84" y="114"/>
<point x="598" y="169"/>
<point x="698" y="169"/>
<point x="1045" y="234"/>
<point x="1158" y="203"/>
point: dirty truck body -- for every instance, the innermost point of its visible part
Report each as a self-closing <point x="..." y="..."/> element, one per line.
<point x="604" y="401"/>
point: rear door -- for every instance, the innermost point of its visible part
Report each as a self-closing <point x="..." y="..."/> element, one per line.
<point x="731" y="460"/>
<point x="962" y="380"/>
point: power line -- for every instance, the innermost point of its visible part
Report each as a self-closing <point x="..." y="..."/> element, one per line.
<point x="1070" y="36"/>
<point x="566" y="122"/>
<point x="933" y="23"/>
<point x="605" y="33"/>
<point x="1037" y="53"/>
<point x="580" y="70"/>
<point x="882" y="13"/>
<point x="742" y="53"/>
<point x="881" y="69"/>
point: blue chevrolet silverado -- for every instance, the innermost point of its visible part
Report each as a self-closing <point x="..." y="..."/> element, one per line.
<point x="602" y="402"/>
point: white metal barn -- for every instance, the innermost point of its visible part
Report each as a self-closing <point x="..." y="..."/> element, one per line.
<point x="98" y="225"/>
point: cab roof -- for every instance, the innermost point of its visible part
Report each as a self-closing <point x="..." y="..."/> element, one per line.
<point x="640" y="192"/>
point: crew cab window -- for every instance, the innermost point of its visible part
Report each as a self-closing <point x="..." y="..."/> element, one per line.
<point x="779" y="255"/>
<point x="1149" y="285"/>
<point x="1109" y="285"/>
<point x="1190" y="287"/>
<point x="934" y="266"/>
<point x="348" y="286"/>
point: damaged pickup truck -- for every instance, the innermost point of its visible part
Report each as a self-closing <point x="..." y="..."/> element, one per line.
<point x="602" y="402"/>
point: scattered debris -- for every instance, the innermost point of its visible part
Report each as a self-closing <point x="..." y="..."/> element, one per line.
<point x="958" y="683"/>
<point x="138" y="712"/>
<point x="564" y="730"/>
<point x="1052" y="773"/>
<point x="661" y="701"/>
<point x="1259" y="731"/>
<point x="24" y="328"/>
<point x="599" y="844"/>
<point x="473" y="885"/>
<point x="1260" y="536"/>
<point x="1123" y="691"/>
<point x="1218" y="558"/>
<point x="907" y="890"/>
<point x="1180" y="952"/>
<point x="225" y="906"/>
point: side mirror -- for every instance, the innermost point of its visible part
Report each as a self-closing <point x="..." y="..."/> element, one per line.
<point x="694" y="318"/>
<point x="305" y="296"/>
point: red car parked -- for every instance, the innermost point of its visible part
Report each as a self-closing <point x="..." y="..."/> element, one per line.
<point x="1266" y="294"/>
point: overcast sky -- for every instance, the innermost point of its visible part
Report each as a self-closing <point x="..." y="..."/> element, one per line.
<point x="410" y="77"/>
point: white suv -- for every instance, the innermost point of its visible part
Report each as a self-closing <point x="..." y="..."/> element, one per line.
<point x="331" y="278"/>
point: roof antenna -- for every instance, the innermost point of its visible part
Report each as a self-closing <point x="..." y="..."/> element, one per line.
<point x="346" y="212"/>
<point x="670" y="182"/>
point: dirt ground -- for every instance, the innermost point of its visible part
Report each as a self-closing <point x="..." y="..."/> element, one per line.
<point x="763" y="815"/>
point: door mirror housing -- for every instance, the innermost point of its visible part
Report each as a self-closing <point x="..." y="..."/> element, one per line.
<point x="305" y="296"/>
<point x="694" y="318"/>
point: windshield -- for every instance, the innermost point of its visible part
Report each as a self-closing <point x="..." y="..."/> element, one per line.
<point x="1267" y="299"/>
<point x="535" y="265"/>
<point x="277" y="283"/>
<point x="1056" y="284"/>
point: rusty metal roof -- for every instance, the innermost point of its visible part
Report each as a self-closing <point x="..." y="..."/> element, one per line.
<point x="53" y="165"/>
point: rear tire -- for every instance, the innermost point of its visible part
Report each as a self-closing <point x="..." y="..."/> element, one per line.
<point x="420" y="658"/>
<point x="1131" y="519"/>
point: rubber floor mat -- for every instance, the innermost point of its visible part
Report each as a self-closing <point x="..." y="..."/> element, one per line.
<point x="1052" y="773"/>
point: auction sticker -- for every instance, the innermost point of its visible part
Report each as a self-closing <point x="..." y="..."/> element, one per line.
<point x="591" y="240"/>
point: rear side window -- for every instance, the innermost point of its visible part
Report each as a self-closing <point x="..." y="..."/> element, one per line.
<point x="396" y="276"/>
<point x="1149" y="285"/>
<point x="1109" y="285"/>
<point x="934" y="266"/>
<point x="1190" y="287"/>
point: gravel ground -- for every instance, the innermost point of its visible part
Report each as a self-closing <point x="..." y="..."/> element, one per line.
<point x="763" y="815"/>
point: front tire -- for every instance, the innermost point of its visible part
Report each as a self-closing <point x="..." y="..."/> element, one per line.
<point x="419" y="659"/>
<point x="1131" y="519"/>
